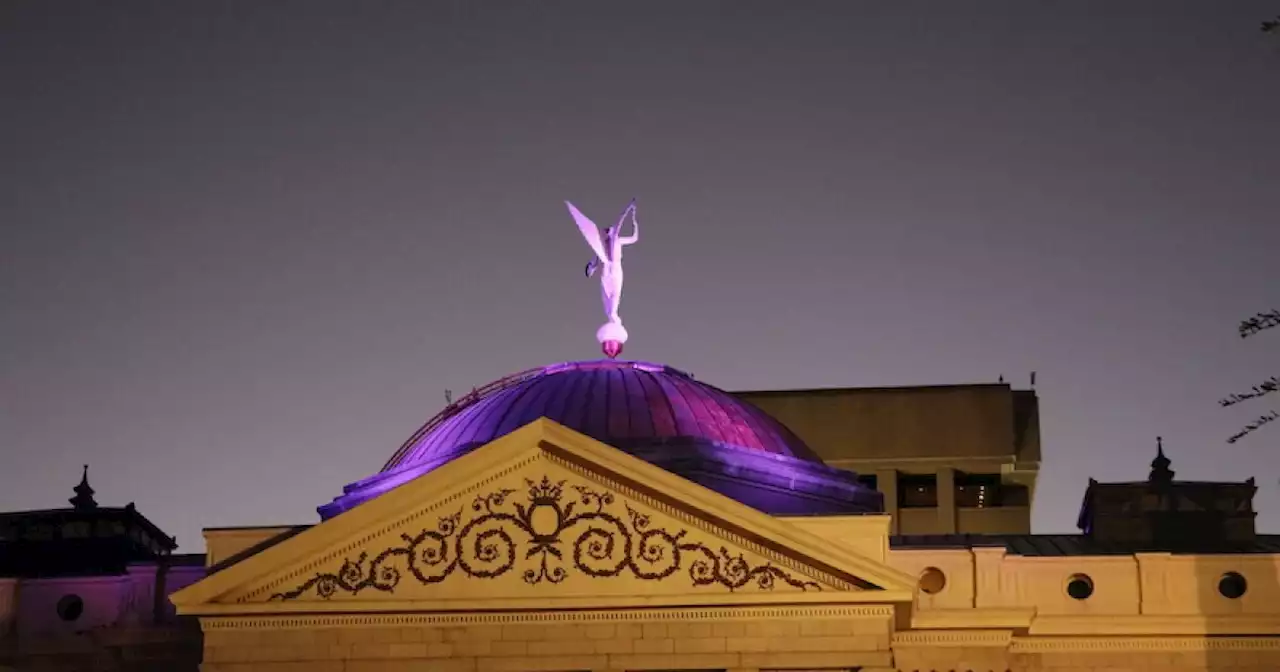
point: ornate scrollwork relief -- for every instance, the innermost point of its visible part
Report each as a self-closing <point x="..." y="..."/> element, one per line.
<point x="534" y="536"/>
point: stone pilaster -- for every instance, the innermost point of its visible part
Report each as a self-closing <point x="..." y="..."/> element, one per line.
<point x="8" y="605"/>
<point x="887" y="484"/>
<point x="139" y="605"/>
<point x="947" y="500"/>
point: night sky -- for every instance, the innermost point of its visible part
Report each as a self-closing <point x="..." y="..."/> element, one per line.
<point x="245" y="247"/>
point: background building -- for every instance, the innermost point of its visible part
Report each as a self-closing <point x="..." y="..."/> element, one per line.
<point x="948" y="458"/>
<point x="86" y="588"/>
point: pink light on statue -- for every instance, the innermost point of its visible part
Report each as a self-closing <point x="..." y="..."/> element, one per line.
<point x="608" y="248"/>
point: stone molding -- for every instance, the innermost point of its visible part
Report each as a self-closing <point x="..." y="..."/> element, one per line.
<point x="878" y="613"/>
<point x="1142" y="644"/>
<point x="1156" y="625"/>
<point x="982" y="618"/>
<point x="954" y="638"/>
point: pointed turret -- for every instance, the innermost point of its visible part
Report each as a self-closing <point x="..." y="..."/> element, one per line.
<point x="1160" y="471"/>
<point x="84" y="501"/>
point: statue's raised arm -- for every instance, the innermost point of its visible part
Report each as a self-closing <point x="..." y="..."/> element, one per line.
<point x="635" y="225"/>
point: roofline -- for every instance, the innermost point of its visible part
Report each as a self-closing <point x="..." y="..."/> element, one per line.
<point x="246" y="528"/>
<point x="923" y="542"/>
<point x="127" y="511"/>
<point x="890" y="388"/>
<point x="186" y="559"/>
<point x="1218" y="484"/>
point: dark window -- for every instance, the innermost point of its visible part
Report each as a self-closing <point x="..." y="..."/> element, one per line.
<point x="38" y="533"/>
<point x="867" y="481"/>
<point x="76" y="530"/>
<point x="917" y="491"/>
<point x="70" y="607"/>
<point x="1232" y="586"/>
<point x="1014" y="495"/>
<point x="1080" y="586"/>
<point x="978" y="491"/>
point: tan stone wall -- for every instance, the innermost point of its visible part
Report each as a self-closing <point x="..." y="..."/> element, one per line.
<point x="1251" y="657"/>
<point x="994" y="520"/>
<point x="1155" y="584"/>
<point x="866" y="535"/>
<point x="223" y="543"/>
<point x="897" y="423"/>
<point x="761" y="643"/>
<point x="1255" y="658"/>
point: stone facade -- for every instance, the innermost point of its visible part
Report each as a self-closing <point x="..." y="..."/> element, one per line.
<point x="372" y="589"/>
<point x="715" y="638"/>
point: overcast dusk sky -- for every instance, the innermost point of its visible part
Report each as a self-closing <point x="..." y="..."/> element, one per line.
<point x="246" y="246"/>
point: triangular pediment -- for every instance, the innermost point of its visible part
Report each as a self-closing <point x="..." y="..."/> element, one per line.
<point x="544" y="517"/>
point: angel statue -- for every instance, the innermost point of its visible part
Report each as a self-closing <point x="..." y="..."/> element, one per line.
<point x="608" y="260"/>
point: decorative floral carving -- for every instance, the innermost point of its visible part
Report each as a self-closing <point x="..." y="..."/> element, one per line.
<point x="537" y="533"/>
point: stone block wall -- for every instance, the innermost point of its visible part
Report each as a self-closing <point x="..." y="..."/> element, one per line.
<point x="530" y="646"/>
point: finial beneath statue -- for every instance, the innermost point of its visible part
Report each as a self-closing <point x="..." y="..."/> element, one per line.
<point x="608" y="260"/>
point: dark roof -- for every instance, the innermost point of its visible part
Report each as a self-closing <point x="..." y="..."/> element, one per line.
<point x="124" y="514"/>
<point x="1060" y="545"/>
<point x="186" y="560"/>
<point x="78" y="542"/>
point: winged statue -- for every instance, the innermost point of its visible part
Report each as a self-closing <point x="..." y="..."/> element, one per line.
<point x="607" y="246"/>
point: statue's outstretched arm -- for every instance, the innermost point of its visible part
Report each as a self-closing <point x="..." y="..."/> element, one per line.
<point x="635" y="230"/>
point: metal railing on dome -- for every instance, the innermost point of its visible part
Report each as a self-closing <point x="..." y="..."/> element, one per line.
<point x="455" y="407"/>
<point x="478" y="393"/>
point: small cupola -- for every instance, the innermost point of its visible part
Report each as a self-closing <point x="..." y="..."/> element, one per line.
<point x="84" y="501"/>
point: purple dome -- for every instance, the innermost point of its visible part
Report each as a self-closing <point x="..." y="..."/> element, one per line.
<point x="618" y="403"/>
<point x="652" y="411"/>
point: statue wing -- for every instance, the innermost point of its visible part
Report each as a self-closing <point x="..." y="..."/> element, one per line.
<point x="590" y="232"/>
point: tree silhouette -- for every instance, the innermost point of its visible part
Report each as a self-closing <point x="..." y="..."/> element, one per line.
<point x="1252" y="327"/>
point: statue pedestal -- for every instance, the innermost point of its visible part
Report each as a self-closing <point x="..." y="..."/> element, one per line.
<point x="611" y="337"/>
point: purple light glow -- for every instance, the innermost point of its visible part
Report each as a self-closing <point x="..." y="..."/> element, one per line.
<point x="612" y="401"/>
<point x="652" y="411"/>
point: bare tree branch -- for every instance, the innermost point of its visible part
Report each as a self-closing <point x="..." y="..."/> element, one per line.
<point x="1253" y="326"/>
<point x="1258" y="323"/>
<point x="1266" y="387"/>
<point x="1254" y="426"/>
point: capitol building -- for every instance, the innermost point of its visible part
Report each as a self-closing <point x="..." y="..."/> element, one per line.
<point x="613" y="515"/>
